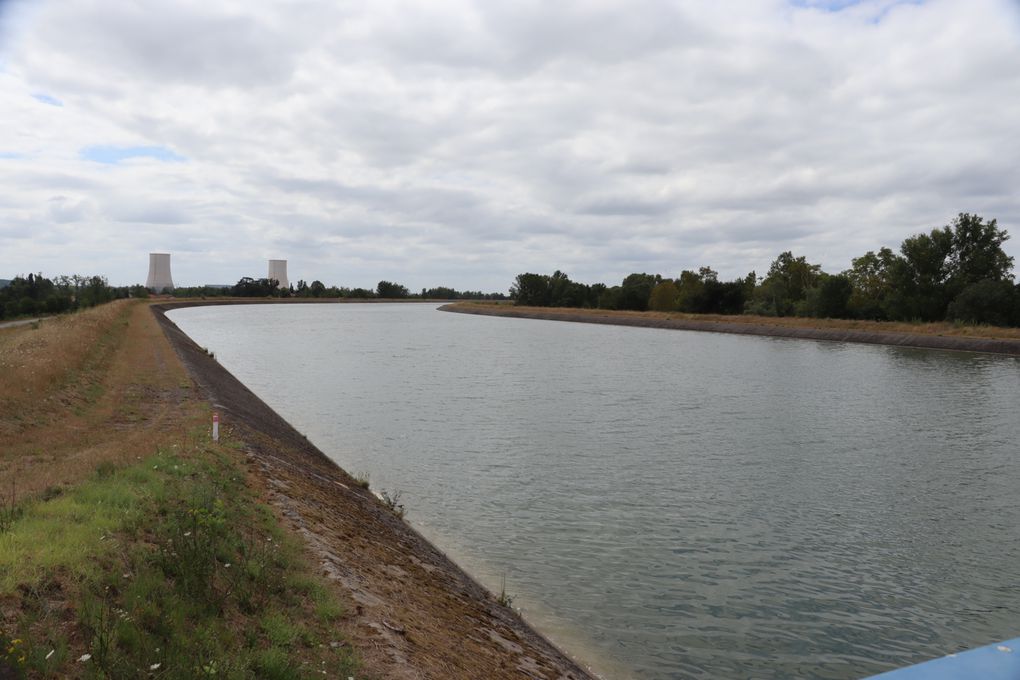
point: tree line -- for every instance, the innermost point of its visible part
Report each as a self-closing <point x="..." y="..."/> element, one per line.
<point x="36" y="294"/>
<point x="384" y="290"/>
<point x="958" y="272"/>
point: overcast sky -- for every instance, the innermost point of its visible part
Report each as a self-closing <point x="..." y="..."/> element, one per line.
<point x="460" y="143"/>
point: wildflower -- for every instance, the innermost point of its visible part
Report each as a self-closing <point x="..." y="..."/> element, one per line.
<point x="84" y="657"/>
<point x="155" y="666"/>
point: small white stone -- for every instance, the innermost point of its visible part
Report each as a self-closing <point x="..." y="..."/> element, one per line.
<point x="1004" y="648"/>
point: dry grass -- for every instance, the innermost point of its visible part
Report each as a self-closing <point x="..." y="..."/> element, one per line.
<point x="98" y="386"/>
<point x="37" y="361"/>
<point x="941" y="328"/>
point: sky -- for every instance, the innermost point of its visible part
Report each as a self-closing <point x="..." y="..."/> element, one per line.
<point x="460" y="143"/>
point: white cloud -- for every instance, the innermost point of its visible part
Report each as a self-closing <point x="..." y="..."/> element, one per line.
<point x="459" y="143"/>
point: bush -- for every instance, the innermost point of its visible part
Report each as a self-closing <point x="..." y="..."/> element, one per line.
<point x="990" y="302"/>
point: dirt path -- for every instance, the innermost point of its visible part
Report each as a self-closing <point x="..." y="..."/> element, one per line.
<point x="415" y="614"/>
<point x="22" y="322"/>
<point x="132" y="393"/>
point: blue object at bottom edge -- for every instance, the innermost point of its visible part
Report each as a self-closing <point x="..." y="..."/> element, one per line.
<point x="1000" y="661"/>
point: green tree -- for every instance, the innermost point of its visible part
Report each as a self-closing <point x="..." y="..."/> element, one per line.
<point x="664" y="297"/>
<point x="977" y="253"/>
<point x="987" y="302"/>
<point x="870" y="278"/>
<point x="390" y="290"/>
<point x="919" y="278"/>
<point x="635" y="291"/>
<point x="831" y="301"/>
<point x="786" y="284"/>
<point x="690" y="288"/>
<point x="531" y="290"/>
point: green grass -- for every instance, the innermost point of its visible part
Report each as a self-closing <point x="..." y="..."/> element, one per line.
<point x="169" y="566"/>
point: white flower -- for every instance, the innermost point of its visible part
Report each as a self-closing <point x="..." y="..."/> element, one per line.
<point x="155" y="666"/>
<point x="84" y="657"/>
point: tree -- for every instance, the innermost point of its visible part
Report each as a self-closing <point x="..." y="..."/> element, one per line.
<point x="690" y="288"/>
<point x="635" y="291"/>
<point x="387" y="289"/>
<point x="249" y="287"/>
<point x="786" y="284"/>
<point x="870" y="278"/>
<point x="532" y="290"/>
<point x="918" y="278"/>
<point x="832" y="297"/>
<point x="723" y="297"/>
<point x="977" y="253"/>
<point x="664" y="297"/>
<point x="991" y="302"/>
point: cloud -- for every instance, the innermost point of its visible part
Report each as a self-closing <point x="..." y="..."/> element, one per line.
<point x="460" y="143"/>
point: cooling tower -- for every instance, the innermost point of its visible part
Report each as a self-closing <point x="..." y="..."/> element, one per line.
<point x="159" y="272"/>
<point x="278" y="271"/>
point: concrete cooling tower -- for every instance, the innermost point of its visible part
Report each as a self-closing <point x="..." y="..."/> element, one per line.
<point x="278" y="271"/>
<point x="159" y="272"/>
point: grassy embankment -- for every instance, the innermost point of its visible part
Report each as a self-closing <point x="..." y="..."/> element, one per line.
<point x="919" y="328"/>
<point x="130" y="544"/>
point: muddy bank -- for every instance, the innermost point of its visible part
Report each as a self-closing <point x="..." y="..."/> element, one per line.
<point x="414" y="613"/>
<point x="898" y="339"/>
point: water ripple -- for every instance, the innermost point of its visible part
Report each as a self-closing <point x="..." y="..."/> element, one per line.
<point x="669" y="504"/>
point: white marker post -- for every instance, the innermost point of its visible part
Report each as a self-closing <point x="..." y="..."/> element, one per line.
<point x="216" y="427"/>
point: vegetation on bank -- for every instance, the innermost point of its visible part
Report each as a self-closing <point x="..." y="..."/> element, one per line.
<point x="167" y="565"/>
<point x="958" y="273"/>
<point x="130" y="544"/>
<point x="35" y="294"/>
<point x="385" y="290"/>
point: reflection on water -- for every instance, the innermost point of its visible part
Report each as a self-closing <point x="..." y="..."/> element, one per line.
<point x="677" y="504"/>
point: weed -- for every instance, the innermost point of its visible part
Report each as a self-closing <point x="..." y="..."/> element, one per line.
<point x="51" y="492"/>
<point x="505" y="599"/>
<point x="327" y="609"/>
<point x="273" y="663"/>
<point x="105" y="469"/>
<point x="361" y="479"/>
<point x="9" y="509"/>
<point x="12" y="657"/>
<point x="393" y="503"/>
<point x="279" y="631"/>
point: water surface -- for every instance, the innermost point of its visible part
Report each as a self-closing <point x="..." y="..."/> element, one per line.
<point x="671" y="504"/>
